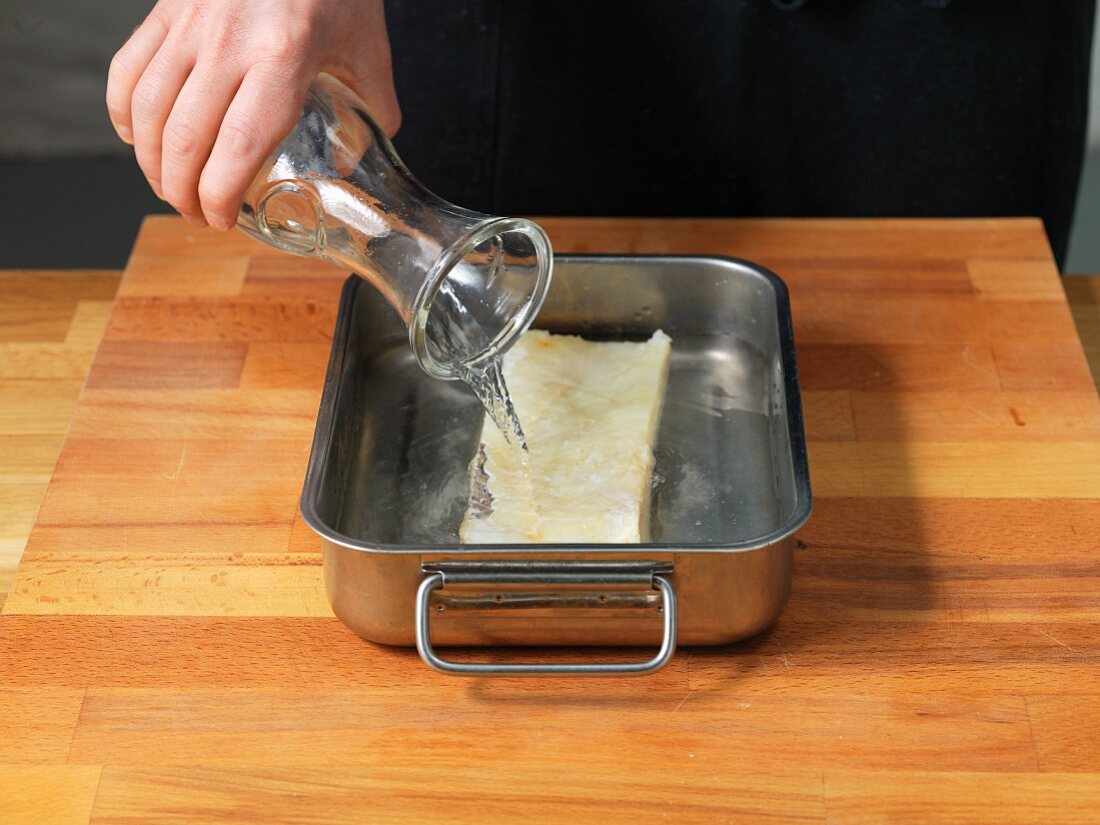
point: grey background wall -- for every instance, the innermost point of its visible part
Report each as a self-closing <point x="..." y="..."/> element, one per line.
<point x="53" y="59"/>
<point x="1084" y="247"/>
<point x="53" y="125"/>
<point x="72" y="195"/>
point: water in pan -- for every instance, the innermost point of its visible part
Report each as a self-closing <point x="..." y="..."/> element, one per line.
<point x="486" y="381"/>
<point x="414" y="439"/>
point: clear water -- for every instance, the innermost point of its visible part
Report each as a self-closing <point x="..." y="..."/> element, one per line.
<point x="462" y="321"/>
<point x="456" y="329"/>
<point x="487" y="383"/>
<point x="486" y="380"/>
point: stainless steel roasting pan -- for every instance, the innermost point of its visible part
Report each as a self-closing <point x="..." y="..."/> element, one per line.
<point x="387" y="481"/>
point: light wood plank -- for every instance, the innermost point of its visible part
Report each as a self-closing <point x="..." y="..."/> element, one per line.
<point x="38" y="305"/>
<point x="194" y="481"/>
<point x="165" y="275"/>
<point x="901" y="368"/>
<point x="255" y="653"/>
<point x="829" y="415"/>
<point x="19" y="503"/>
<point x="365" y="727"/>
<point x="165" y="236"/>
<point x="1061" y="469"/>
<point x="160" y="364"/>
<point x="926" y="319"/>
<point x="272" y="365"/>
<point x="58" y="286"/>
<point x="1041" y="365"/>
<point x="44" y="360"/>
<point x="142" y="587"/>
<point x="1015" y="280"/>
<point x="37" y="406"/>
<point x="246" y="543"/>
<point x="996" y="239"/>
<point x="981" y="416"/>
<point x="196" y="413"/>
<point x="1031" y="530"/>
<point x="839" y="277"/>
<point x="283" y="278"/>
<point x="37" y="724"/>
<point x="28" y="458"/>
<point x="798" y="658"/>
<point x="929" y="586"/>
<point x="903" y="239"/>
<point x="924" y="798"/>
<point x="1066" y="731"/>
<point x="493" y="791"/>
<point x="89" y="322"/>
<point x="201" y="319"/>
<point x="57" y="794"/>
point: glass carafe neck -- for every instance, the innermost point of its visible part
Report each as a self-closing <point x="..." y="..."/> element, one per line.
<point x="466" y="284"/>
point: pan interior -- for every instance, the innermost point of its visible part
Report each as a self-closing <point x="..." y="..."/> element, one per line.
<point x="396" y="471"/>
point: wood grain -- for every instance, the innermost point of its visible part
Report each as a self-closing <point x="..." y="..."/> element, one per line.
<point x="960" y="798"/>
<point x="995" y="417"/>
<point x="61" y="794"/>
<point x="359" y="728"/>
<point x="50" y="324"/>
<point x="905" y="240"/>
<point x="38" y="724"/>
<point x="1030" y="529"/>
<point x="167" y="653"/>
<point x="613" y="792"/>
<point x="1040" y="365"/>
<point x="1066" y="469"/>
<point x="1013" y="280"/>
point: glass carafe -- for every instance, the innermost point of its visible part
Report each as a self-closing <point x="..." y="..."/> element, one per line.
<point x="466" y="284"/>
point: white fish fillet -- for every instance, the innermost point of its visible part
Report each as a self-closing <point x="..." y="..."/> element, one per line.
<point x="590" y="412"/>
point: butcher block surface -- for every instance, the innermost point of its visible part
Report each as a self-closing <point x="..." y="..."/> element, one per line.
<point x="167" y="653"/>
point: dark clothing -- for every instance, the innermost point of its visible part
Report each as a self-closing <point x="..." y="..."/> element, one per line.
<point x="741" y="108"/>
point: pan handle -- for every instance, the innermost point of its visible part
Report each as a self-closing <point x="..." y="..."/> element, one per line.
<point x="435" y="580"/>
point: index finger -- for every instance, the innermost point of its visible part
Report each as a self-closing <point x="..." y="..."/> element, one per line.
<point x="127" y="66"/>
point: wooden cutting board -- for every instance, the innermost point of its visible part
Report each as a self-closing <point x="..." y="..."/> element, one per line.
<point x="166" y="652"/>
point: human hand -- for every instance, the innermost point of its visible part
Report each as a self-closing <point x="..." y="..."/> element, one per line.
<point x="204" y="90"/>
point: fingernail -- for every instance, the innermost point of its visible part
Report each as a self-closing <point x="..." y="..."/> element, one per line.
<point x="125" y="133"/>
<point x="194" y="221"/>
<point x="218" y="222"/>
